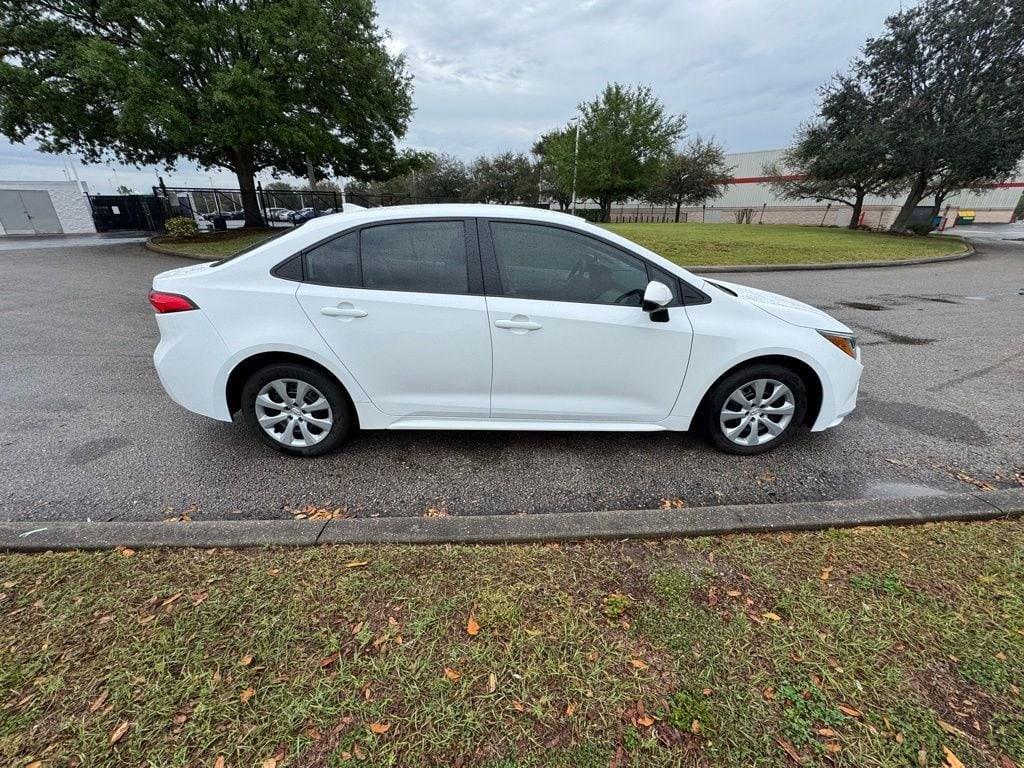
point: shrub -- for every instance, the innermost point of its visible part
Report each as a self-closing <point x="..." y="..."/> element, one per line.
<point x="920" y="228"/>
<point x="181" y="226"/>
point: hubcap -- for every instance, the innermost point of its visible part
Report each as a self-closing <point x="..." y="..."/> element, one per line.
<point x="294" y="412"/>
<point x="757" y="412"/>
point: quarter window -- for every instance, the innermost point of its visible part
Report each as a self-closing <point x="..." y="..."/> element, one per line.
<point x="538" y="262"/>
<point x="335" y="262"/>
<point x="426" y="256"/>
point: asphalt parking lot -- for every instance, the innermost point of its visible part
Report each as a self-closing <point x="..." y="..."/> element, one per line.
<point x="89" y="433"/>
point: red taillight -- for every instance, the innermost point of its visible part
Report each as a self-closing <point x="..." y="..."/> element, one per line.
<point x="170" y="302"/>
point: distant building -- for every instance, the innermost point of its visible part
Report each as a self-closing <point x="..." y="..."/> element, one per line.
<point x="750" y="198"/>
<point x="44" y="207"/>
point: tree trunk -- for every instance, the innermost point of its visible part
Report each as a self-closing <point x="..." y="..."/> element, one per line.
<point x="679" y="204"/>
<point x="606" y="210"/>
<point x="899" y="224"/>
<point x="858" y="206"/>
<point x="937" y="204"/>
<point x="247" y="184"/>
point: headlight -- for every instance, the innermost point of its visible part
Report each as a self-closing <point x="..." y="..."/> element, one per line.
<point x="847" y="342"/>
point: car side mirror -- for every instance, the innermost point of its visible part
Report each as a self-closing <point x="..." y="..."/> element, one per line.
<point x="657" y="296"/>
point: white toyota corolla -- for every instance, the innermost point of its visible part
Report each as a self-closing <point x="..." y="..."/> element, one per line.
<point x="490" y="317"/>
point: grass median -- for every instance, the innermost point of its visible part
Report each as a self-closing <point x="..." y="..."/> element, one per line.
<point x="217" y="245"/>
<point x="873" y="646"/>
<point x="746" y="244"/>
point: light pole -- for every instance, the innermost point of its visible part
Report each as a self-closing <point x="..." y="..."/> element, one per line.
<point x="575" y="162"/>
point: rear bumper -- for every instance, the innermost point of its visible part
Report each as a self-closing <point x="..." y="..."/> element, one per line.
<point x="188" y="360"/>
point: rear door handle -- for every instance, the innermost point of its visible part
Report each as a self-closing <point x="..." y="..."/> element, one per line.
<point x="518" y="325"/>
<point x="343" y="310"/>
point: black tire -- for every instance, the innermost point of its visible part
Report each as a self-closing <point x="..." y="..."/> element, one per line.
<point x="340" y="407"/>
<point x="709" y="418"/>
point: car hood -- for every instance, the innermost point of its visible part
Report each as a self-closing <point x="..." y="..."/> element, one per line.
<point x="786" y="309"/>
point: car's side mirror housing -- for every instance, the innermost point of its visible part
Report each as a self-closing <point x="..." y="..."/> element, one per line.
<point x="657" y="296"/>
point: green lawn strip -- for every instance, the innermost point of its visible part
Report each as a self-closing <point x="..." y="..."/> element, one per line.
<point x="217" y="244"/>
<point x="722" y="244"/>
<point x="877" y="647"/>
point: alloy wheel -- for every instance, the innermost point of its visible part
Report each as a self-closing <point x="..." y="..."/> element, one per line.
<point x="294" y="412"/>
<point x="757" y="412"/>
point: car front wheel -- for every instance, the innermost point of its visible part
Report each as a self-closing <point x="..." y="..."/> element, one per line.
<point x="755" y="409"/>
<point x="296" y="410"/>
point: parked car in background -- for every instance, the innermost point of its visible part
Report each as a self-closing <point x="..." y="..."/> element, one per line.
<point x="278" y="214"/>
<point x="301" y="215"/>
<point x="490" y="317"/>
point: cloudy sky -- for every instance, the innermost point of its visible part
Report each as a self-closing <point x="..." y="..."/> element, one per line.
<point x="491" y="75"/>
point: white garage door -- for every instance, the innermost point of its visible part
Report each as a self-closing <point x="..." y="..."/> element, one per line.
<point x="24" y="212"/>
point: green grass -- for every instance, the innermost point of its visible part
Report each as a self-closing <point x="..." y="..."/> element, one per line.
<point x="864" y="647"/>
<point x="691" y="244"/>
<point x="217" y="245"/>
<point x="720" y="244"/>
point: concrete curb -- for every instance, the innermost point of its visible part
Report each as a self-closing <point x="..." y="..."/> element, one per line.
<point x="485" y="529"/>
<point x="970" y="251"/>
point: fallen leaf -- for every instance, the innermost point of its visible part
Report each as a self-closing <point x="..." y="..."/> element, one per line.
<point x="570" y="708"/>
<point x="771" y="616"/>
<point x="247" y="694"/>
<point x="219" y="762"/>
<point x="849" y="711"/>
<point x="99" y="701"/>
<point x="922" y="757"/>
<point x="246" y="660"/>
<point x="35" y="764"/>
<point x="952" y="730"/>
<point x="171" y="600"/>
<point x="769" y="693"/>
<point x="492" y="683"/>
<point x="326" y="661"/>
<point x="357" y="628"/>
<point x="380" y="728"/>
<point x="951" y="760"/>
<point x="645" y="720"/>
<point x="828" y="733"/>
<point x="833" y="747"/>
<point x="790" y="750"/>
<point x="270" y="762"/>
<point x="357" y="563"/>
<point x="125" y="551"/>
<point x="118" y="733"/>
<point x="734" y="593"/>
<point x="695" y="727"/>
<point x="517" y="705"/>
<point x="1001" y="656"/>
<point x="471" y="626"/>
<point x="358" y="751"/>
<point x="639" y="663"/>
<point x="825" y="573"/>
<point x="452" y="674"/>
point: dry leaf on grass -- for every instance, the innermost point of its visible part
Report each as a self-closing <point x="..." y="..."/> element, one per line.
<point x="825" y="573"/>
<point x="125" y="551"/>
<point x="99" y="701"/>
<point x="492" y="683"/>
<point x="639" y="663"/>
<point x="452" y="674"/>
<point x="219" y="762"/>
<point x="645" y="720"/>
<point x="118" y="733"/>
<point x="771" y="616"/>
<point x="849" y="711"/>
<point x="246" y="660"/>
<point x="790" y="750"/>
<point x="380" y="728"/>
<point x="357" y="563"/>
<point x="472" y="628"/>
<point x="951" y="760"/>
<point x="270" y="762"/>
<point x="247" y="694"/>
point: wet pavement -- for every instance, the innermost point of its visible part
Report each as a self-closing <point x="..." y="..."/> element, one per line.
<point x="91" y="435"/>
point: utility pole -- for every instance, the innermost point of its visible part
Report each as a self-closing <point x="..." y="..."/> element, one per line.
<point x="575" y="162"/>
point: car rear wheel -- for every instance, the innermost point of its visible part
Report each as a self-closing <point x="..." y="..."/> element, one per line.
<point x="296" y="410"/>
<point x="755" y="409"/>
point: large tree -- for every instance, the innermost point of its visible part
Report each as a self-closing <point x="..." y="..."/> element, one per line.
<point x="950" y="76"/>
<point x="841" y="156"/>
<point x="506" y="178"/>
<point x="555" y="153"/>
<point x="625" y="136"/>
<point x="430" y="176"/>
<point x="691" y="177"/>
<point x="238" y="85"/>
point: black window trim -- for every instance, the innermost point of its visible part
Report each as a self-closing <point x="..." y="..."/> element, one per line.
<point x="474" y="269"/>
<point x="689" y="295"/>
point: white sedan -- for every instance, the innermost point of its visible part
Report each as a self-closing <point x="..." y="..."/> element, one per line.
<point x="490" y="317"/>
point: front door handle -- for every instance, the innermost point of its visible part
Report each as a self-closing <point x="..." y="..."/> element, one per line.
<point x="343" y="310"/>
<point x="518" y="325"/>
